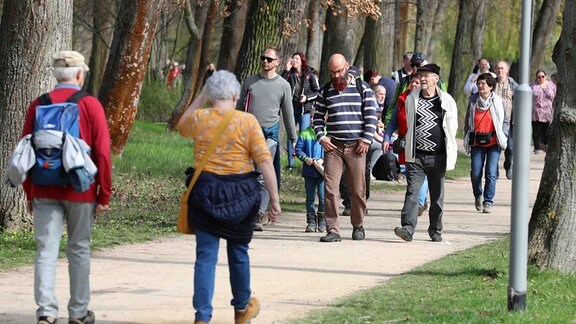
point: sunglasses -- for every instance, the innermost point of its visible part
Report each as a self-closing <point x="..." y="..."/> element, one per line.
<point x="541" y="76"/>
<point x="267" y="59"/>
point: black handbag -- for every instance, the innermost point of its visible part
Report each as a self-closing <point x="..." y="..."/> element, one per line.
<point x="475" y="138"/>
<point x="399" y="145"/>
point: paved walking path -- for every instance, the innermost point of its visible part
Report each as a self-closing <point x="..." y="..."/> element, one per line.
<point x="292" y="273"/>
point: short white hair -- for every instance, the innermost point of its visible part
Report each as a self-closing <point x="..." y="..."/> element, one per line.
<point x="63" y="74"/>
<point x="222" y="85"/>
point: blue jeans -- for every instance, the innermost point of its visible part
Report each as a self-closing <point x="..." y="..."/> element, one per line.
<point x="313" y="185"/>
<point x="271" y="136"/>
<point x="302" y="120"/>
<point x="207" y="246"/>
<point x="490" y="155"/>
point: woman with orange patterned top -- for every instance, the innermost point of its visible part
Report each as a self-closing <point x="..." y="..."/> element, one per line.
<point x="228" y="172"/>
<point x="484" y="139"/>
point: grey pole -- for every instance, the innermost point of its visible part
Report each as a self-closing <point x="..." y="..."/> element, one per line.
<point x="521" y="170"/>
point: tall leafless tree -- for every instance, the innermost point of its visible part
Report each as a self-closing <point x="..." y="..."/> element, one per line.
<point x="378" y="51"/>
<point x="478" y="27"/>
<point x="543" y="30"/>
<point x="30" y="32"/>
<point x="104" y="19"/>
<point x="461" y="56"/>
<point x="126" y="67"/>
<point x="232" y="33"/>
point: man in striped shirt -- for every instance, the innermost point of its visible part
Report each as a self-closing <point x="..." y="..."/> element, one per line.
<point x="344" y="123"/>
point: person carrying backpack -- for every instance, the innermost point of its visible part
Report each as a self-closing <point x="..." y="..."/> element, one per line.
<point x="56" y="204"/>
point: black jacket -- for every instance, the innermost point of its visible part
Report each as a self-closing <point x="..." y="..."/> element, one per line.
<point x="310" y="89"/>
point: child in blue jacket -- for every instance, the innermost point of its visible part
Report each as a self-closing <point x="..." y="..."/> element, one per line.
<point x="309" y="151"/>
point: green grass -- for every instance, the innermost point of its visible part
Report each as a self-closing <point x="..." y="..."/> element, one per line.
<point x="466" y="287"/>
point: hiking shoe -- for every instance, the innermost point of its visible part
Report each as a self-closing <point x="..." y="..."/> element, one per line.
<point x="258" y="227"/>
<point x="47" y="320"/>
<point x="346" y="212"/>
<point x="358" y="233"/>
<point x="478" y="203"/>
<point x="487" y="208"/>
<point x="422" y="209"/>
<point x="248" y="313"/>
<point x="331" y="237"/>
<point x="90" y="318"/>
<point x="436" y="238"/>
<point x="403" y="233"/>
<point x="263" y="219"/>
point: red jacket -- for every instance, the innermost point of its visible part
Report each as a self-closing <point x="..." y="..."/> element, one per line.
<point x="402" y="123"/>
<point x="94" y="131"/>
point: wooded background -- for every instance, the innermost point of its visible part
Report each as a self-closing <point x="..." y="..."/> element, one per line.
<point x="129" y="43"/>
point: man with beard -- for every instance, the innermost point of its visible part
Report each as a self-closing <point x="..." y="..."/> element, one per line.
<point x="344" y="123"/>
<point x="265" y="95"/>
<point x="431" y="149"/>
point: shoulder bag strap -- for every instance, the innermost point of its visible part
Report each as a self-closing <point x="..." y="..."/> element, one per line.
<point x="209" y="151"/>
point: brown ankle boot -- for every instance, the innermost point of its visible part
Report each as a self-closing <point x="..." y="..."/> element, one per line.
<point x="248" y="313"/>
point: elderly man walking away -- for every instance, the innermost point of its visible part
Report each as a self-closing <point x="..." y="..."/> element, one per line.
<point x="54" y="205"/>
<point x="350" y="120"/>
<point x="266" y="95"/>
<point x="431" y="149"/>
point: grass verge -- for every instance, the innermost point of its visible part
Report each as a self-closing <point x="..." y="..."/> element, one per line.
<point x="466" y="287"/>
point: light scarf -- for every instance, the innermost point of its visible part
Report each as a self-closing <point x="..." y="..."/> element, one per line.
<point x="484" y="104"/>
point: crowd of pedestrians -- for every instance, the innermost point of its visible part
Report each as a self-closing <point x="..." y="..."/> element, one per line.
<point x="337" y="130"/>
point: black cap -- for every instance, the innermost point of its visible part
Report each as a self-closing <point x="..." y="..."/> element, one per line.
<point x="417" y="58"/>
<point x="430" y="68"/>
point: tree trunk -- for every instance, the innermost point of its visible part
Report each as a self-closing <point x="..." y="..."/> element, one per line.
<point x="552" y="228"/>
<point x="543" y="30"/>
<point x="378" y="55"/>
<point x="104" y="12"/>
<point x="478" y="26"/>
<point x="316" y="16"/>
<point x="30" y="33"/>
<point x="401" y="26"/>
<point x="232" y="33"/>
<point x="461" y="57"/>
<point x="263" y="29"/>
<point x="292" y="18"/>
<point x="195" y="16"/>
<point x="343" y="35"/>
<point x="205" y="46"/>
<point x="438" y="17"/>
<point x="126" y="67"/>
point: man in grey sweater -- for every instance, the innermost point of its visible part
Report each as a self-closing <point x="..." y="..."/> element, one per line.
<point x="266" y="95"/>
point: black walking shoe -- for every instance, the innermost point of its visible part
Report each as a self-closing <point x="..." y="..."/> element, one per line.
<point x="331" y="237"/>
<point x="358" y="233"/>
<point x="436" y="238"/>
<point x="403" y="233"/>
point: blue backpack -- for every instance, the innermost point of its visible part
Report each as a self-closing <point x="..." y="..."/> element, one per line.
<point x="53" y="123"/>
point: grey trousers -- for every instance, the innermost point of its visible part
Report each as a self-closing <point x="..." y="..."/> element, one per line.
<point x="49" y="218"/>
<point x="434" y="167"/>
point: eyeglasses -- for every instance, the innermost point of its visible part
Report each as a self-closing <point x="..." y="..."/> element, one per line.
<point x="267" y="59"/>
